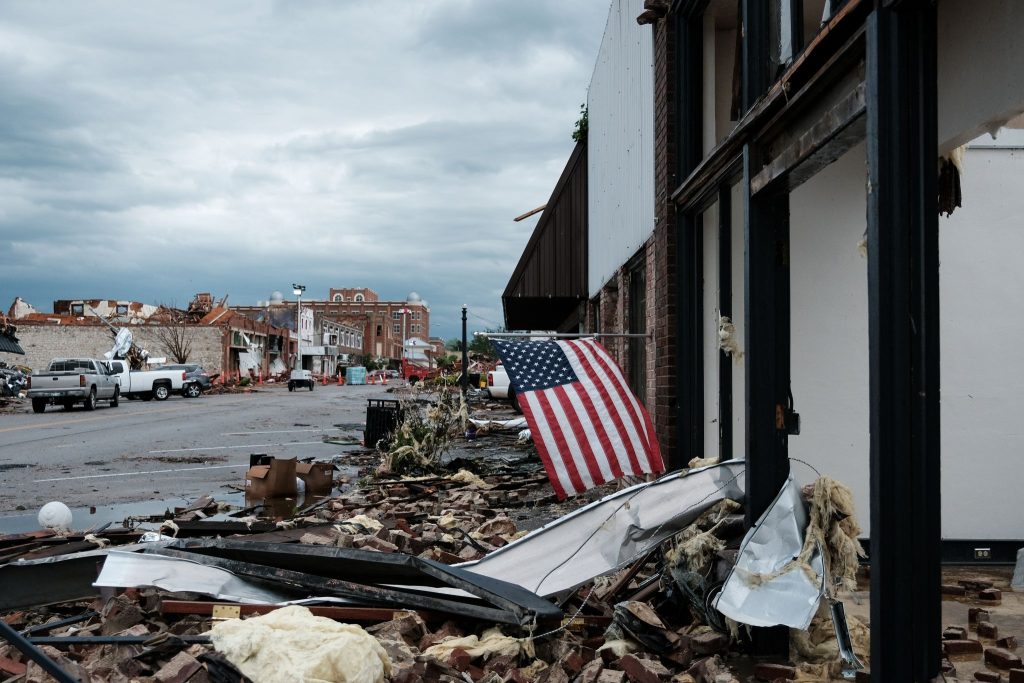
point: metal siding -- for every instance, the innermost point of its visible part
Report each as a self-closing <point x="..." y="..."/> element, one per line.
<point x="620" y="144"/>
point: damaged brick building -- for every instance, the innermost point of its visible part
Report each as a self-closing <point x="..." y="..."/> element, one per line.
<point x="787" y="251"/>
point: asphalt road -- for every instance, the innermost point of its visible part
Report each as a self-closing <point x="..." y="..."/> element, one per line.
<point x="143" y="456"/>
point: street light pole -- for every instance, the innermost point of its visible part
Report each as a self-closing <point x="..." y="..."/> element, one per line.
<point x="465" y="354"/>
<point x="298" y="290"/>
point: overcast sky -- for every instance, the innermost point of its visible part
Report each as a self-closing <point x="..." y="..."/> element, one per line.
<point x="149" y="151"/>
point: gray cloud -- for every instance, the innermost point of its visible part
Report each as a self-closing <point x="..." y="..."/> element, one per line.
<point x="152" y="151"/>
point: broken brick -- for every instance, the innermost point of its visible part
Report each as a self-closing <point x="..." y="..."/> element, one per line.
<point x="949" y="589"/>
<point x="989" y="676"/>
<point x="643" y="670"/>
<point x="976" y="614"/>
<point x="986" y="629"/>
<point x="9" y="666"/>
<point x="1008" y="642"/>
<point x="459" y="659"/>
<point x="709" y="643"/>
<point x="1016" y="675"/>
<point x="992" y="595"/>
<point x="767" y="671"/>
<point x="181" y="668"/>
<point x="953" y="648"/>
<point x="954" y="633"/>
<point x="1002" y="658"/>
<point x="611" y="676"/>
<point x="590" y="672"/>
<point x="374" y="543"/>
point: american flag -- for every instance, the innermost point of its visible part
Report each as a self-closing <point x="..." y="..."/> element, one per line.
<point x="588" y="426"/>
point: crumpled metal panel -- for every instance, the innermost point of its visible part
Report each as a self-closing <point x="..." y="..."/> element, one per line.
<point x="789" y="599"/>
<point x="611" y="532"/>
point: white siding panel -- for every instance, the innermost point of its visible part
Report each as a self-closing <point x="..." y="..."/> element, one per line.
<point x="620" y="144"/>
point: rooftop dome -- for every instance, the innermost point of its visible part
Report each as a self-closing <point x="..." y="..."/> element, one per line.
<point x="413" y="298"/>
<point x="276" y="297"/>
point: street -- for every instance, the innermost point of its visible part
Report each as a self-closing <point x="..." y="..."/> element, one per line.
<point x="141" y="457"/>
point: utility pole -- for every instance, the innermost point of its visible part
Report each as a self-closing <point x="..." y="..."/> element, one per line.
<point x="297" y="290"/>
<point x="465" y="354"/>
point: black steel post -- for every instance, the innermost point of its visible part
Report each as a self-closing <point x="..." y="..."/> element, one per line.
<point x="903" y="313"/>
<point x="689" y="359"/>
<point x="465" y="354"/>
<point x="766" y="289"/>
<point x="34" y="653"/>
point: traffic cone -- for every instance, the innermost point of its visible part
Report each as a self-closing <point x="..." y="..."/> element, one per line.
<point x="384" y="379"/>
<point x="340" y="382"/>
<point x="371" y="379"/>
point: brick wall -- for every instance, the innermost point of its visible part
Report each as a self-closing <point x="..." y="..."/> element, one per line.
<point x="42" y="343"/>
<point x="662" y="274"/>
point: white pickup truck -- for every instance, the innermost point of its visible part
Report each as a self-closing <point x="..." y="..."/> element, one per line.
<point x="147" y="384"/>
<point x="68" y="381"/>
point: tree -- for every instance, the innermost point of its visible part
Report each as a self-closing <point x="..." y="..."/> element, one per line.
<point x="175" y="334"/>
<point x="481" y="345"/>
<point x="453" y="344"/>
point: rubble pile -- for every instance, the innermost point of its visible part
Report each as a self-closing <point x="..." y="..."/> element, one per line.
<point x="394" y="564"/>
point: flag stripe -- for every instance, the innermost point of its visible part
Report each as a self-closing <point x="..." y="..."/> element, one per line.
<point x="597" y="434"/>
<point x="545" y="444"/>
<point x="575" y="482"/>
<point x="592" y="377"/>
<point x="618" y="382"/>
<point x="597" y="474"/>
<point x="651" y="455"/>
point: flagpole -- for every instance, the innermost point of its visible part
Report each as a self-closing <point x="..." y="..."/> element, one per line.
<point x="558" y="335"/>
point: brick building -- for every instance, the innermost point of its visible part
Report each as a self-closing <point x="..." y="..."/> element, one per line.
<point x="383" y="324"/>
<point x="220" y="340"/>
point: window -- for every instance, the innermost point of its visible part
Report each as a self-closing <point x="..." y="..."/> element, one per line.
<point x="77" y="309"/>
<point x="122" y="309"/>
<point x="359" y="297"/>
<point x="339" y="297"/>
<point x="396" y="329"/>
<point x="395" y="315"/>
<point x="416" y="315"/>
<point x="379" y="330"/>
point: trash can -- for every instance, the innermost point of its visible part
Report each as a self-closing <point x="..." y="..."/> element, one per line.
<point x="382" y="418"/>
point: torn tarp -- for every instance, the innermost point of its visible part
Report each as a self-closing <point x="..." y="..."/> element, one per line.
<point x="611" y="532"/>
<point x="769" y="586"/>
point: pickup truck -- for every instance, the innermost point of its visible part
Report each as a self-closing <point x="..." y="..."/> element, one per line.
<point x="499" y="386"/>
<point x="148" y="384"/>
<point x="68" y="381"/>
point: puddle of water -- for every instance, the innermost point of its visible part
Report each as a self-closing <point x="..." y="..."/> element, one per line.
<point x="88" y="517"/>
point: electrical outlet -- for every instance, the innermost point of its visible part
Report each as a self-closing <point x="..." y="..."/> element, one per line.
<point x="983" y="553"/>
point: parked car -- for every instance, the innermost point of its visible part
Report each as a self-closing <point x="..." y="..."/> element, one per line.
<point x="68" y="381"/>
<point x="499" y="386"/>
<point x="197" y="380"/>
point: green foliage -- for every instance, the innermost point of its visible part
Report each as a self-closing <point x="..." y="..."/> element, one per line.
<point x="453" y="344"/>
<point x="445" y="362"/>
<point x="482" y="345"/>
<point x="579" y="133"/>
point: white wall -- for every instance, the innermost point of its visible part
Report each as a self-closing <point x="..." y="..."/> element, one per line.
<point x="620" y="144"/>
<point x="982" y="366"/>
<point x="981" y="325"/>
<point x="830" y="326"/>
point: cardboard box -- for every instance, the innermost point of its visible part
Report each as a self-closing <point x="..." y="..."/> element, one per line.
<point x="270" y="477"/>
<point x="317" y="476"/>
